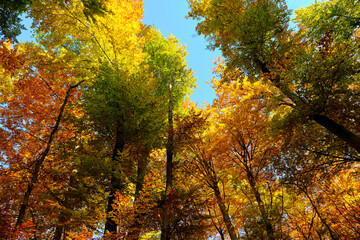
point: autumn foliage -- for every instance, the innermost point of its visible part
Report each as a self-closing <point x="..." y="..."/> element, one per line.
<point x="98" y="139"/>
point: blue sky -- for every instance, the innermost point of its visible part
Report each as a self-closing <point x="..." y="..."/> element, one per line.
<point x="169" y="17"/>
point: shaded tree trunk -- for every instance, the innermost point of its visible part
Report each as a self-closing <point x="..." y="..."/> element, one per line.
<point x="229" y="226"/>
<point x="165" y="225"/>
<point x="264" y="215"/>
<point x="61" y="227"/>
<point x="339" y="130"/>
<point x="58" y="233"/>
<point x="135" y="229"/>
<point x="115" y="182"/>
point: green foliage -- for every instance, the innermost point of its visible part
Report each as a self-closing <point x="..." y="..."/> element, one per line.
<point x="165" y="59"/>
<point x="10" y="22"/>
<point x="117" y="101"/>
<point x="242" y="29"/>
<point x="93" y="8"/>
<point x="315" y="76"/>
<point x="341" y="17"/>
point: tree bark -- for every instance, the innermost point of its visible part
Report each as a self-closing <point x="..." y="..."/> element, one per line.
<point x="165" y="225"/>
<point x="58" y="233"/>
<point x="352" y="139"/>
<point x="229" y="226"/>
<point x="136" y="227"/>
<point x="339" y="130"/>
<point x="115" y="183"/>
<point x="60" y="230"/>
<point x="264" y="215"/>
<point x="39" y="161"/>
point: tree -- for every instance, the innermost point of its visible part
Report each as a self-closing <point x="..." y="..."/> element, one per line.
<point x="341" y="17"/>
<point x="32" y="119"/>
<point x="116" y="59"/>
<point x="61" y="61"/>
<point x="116" y="72"/>
<point x="94" y="131"/>
<point x="166" y="61"/>
<point x="10" y="11"/>
<point x="10" y="22"/>
<point x="318" y="77"/>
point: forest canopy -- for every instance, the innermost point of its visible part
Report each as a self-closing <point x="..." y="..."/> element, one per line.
<point x="99" y="139"/>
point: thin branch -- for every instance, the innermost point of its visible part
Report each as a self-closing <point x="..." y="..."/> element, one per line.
<point x="41" y="159"/>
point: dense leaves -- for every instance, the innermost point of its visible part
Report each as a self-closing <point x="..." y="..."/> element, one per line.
<point x="314" y="74"/>
<point x="99" y="140"/>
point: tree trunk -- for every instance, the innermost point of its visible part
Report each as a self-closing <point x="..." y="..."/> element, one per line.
<point x="264" y="215"/>
<point x="136" y="227"/>
<point x="58" y="233"/>
<point x="229" y="226"/>
<point x="165" y="225"/>
<point x="352" y="139"/>
<point x="60" y="230"/>
<point x="115" y="183"/>
<point x="39" y="161"/>
<point x="339" y="130"/>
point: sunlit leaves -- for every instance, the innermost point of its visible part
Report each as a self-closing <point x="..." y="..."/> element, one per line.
<point x="339" y="16"/>
<point x="242" y="28"/>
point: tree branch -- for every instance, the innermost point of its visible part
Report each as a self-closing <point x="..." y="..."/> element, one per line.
<point x="39" y="161"/>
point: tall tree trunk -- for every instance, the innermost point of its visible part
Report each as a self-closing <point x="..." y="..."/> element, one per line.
<point x="115" y="182"/>
<point x="136" y="227"/>
<point x="58" y="232"/>
<point x="264" y="215"/>
<point x="39" y="161"/>
<point x="61" y="227"/>
<point x="165" y="225"/>
<point x="219" y="200"/>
